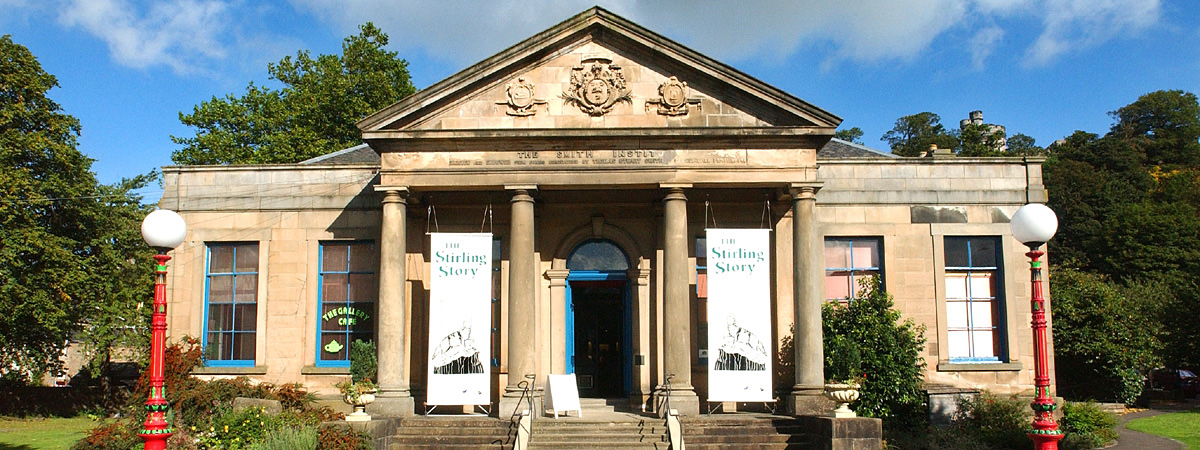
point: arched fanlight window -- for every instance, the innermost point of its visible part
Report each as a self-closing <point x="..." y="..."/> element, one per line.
<point x="598" y="255"/>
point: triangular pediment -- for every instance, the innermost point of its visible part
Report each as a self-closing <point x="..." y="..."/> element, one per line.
<point x="597" y="70"/>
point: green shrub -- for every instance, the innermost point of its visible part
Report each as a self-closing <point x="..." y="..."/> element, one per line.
<point x="341" y="437"/>
<point x="1105" y="335"/>
<point x="890" y="353"/>
<point x="1087" y="426"/>
<point x="1001" y="422"/>
<point x="112" y="436"/>
<point x="302" y="437"/>
<point x="235" y="430"/>
<point x="363" y="361"/>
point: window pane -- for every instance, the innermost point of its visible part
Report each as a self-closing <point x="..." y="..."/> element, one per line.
<point x="334" y="288"/>
<point x="865" y="253"/>
<point x="363" y="319"/>
<point x="702" y="284"/>
<point x="220" y="289"/>
<point x="956" y="252"/>
<point x="981" y="285"/>
<point x="333" y="317"/>
<point x="363" y="257"/>
<point x="333" y="257"/>
<point x="981" y="314"/>
<point x="220" y="317"/>
<point x="983" y="344"/>
<point x="956" y="315"/>
<point x="247" y="288"/>
<point x="956" y="286"/>
<point x="247" y="258"/>
<point x="220" y="259"/>
<point x="837" y="285"/>
<point x="245" y="316"/>
<point x="597" y="255"/>
<point x="243" y="346"/>
<point x="701" y="248"/>
<point x="960" y="344"/>
<point x="334" y="347"/>
<point x="837" y="254"/>
<point x="983" y="252"/>
<point x="218" y="346"/>
<point x="363" y="288"/>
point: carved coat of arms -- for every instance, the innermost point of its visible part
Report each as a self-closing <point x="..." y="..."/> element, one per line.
<point x="673" y="98"/>
<point x="520" y="99"/>
<point x="597" y="85"/>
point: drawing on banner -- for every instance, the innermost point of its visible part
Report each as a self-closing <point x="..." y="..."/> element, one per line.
<point x="741" y="349"/>
<point x="457" y="353"/>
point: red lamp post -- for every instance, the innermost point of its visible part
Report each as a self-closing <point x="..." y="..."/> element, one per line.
<point x="1033" y="225"/>
<point x="164" y="230"/>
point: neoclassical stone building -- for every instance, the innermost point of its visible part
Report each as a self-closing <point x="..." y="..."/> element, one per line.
<point x="597" y="153"/>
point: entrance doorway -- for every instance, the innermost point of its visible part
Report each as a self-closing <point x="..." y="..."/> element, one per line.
<point x="598" y="320"/>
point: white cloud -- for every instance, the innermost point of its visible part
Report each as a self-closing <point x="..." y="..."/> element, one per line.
<point x="866" y="31"/>
<point x="982" y="44"/>
<point x="1080" y="24"/>
<point x="180" y="34"/>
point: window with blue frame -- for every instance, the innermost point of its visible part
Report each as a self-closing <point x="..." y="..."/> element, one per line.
<point x="349" y="289"/>
<point x="231" y="304"/>
<point x="847" y="261"/>
<point x="974" y="300"/>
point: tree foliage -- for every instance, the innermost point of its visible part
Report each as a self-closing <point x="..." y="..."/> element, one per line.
<point x="889" y="353"/>
<point x="1129" y="214"/>
<point x="852" y="135"/>
<point x="314" y="112"/>
<point x="69" y="246"/>
<point x="914" y="133"/>
<point x="1104" y="341"/>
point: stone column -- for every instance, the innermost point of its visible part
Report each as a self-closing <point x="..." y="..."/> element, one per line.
<point x="807" y="295"/>
<point x="677" y="322"/>
<point x="522" y="302"/>
<point x="394" y="397"/>
<point x="558" y="320"/>
<point x="639" y="278"/>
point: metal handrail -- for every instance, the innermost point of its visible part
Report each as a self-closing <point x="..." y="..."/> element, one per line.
<point x="524" y="419"/>
<point x="671" y="419"/>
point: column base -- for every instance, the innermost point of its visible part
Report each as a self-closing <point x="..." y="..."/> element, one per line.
<point x="856" y="432"/>
<point x="809" y="401"/>
<point x="512" y="402"/>
<point x="393" y="404"/>
<point x="684" y="400"/>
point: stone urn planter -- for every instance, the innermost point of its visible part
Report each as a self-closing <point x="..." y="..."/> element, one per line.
<point x="358" y="396"/>
<point x="842" y="394"/>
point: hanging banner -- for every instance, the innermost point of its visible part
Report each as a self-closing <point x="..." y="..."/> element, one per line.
<point x="460" y="319"/>
<point x="739" y="315"/>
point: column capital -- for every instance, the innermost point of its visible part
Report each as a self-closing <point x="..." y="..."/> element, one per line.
<point x="393" y="194"/>
<point x="521" y="187"/>
<point x="639" y="276"/>
<point x="557" y="277"/>
<point x="804" y="191"/>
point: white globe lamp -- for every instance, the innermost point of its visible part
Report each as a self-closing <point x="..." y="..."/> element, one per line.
<point x="1034" y="224"/>
<point x="163" y="230"/>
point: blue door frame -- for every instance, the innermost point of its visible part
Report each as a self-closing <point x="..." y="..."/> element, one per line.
<point x="626" y="317"/>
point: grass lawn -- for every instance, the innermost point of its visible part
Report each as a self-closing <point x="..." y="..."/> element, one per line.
<point x="1181" y="426"/>
<point x="42" y="434"/>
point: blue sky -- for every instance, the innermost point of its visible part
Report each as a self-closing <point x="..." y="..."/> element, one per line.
<point x="1042" y="68"/>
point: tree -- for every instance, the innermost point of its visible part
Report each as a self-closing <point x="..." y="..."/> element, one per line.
<point x="1104" y="341"/>
<point x="1024" y="145"/>
<point x="852" y="135"/>
<point x="313" y="114"/>
<point x="889" y="352"/>
<point x="65" y="237"/>
<point x="1164" y="124"/>
<point x="913" y="134"/>
<point x="979" y="140"/>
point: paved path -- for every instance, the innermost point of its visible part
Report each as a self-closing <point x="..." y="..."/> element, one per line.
<point x="1135" y="440"/>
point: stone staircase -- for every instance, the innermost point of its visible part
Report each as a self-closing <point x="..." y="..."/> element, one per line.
<point x="745" y="432"/>
<point x="451" y="432"/>
<point x="603" y="426"/>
